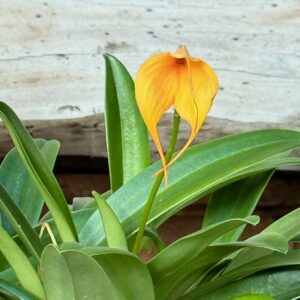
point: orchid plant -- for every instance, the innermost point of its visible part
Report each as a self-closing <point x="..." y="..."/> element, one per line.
<point x="91" y="249"/>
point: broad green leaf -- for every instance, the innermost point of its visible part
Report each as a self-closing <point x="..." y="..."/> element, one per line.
<point x="128" y="274"/>
<point x="193" y="271"/>
<point x="24" y="271"/>
<point x="19" y="223"/>
<point x="14" y="292"/>
<point x="173" y="256"/>
<point x="274" y="260"/>
<point x="79" y="217"/>
<point x="287" y="226"/>
<point x="196" y="269"/>
<point x="17" y="180"/>
<point x="281" y="284"/>
<point x="237" y="200"/>
<point x="201" y="170"/>
<point x="90" y="200"/>
<point x="176" y="261"/>
<point x="184" y="256"/>
<point x="279" y="241"/>
<point x="40" y="172"/>
<point x="126" y="133"/>
<point x="254" y="297"/>
<point x="73" y="275"/>
<point x="247" y="255"/>
<point x="82" y="202"/>
<point x="125" y="274"/>
<point x="114" y="233"/>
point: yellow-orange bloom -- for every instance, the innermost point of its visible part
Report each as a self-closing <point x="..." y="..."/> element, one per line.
<point x="175" y="79"/>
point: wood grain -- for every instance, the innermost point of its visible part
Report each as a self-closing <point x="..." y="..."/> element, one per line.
<point x="51" y="68"/>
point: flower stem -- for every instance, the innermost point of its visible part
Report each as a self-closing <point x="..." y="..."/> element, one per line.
<point x="156" y="185"/>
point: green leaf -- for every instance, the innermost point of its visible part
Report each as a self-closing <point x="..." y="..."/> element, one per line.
<point x="128" y="274"/>
<point x="20" y="185"/>
<point x="19" y="223"/>
<point x="40" y="172"/>
<point x="79" y="217"/>
<point x="126" y="133"/>
<point x="72" y="275"/>
<point x="276" y="242"/>
<point x="24" y="271"/>
<point x="13" y="291"/>
<point x="114" y="233"/>
<point x="173" y="256"/>
<point x="188" y="271"/>
<point x="82" y="202"/>
<point x="173" y="264"/>
<point x="155" y="238"/>
<point x="237" y="200"/>
<point x="254" y="297"/>
<point x="287" y="226"/>
<point x="201" y="170"/>
<point x="274" y="260"/>
<point x="282" y="284"/>
<point x="212" y="257"/>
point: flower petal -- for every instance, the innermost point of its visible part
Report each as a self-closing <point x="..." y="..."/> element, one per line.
<point x="198" y="85"/>
<point x="155" y="90"/>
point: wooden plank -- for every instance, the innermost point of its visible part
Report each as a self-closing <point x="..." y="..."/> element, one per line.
<point x="51" y="69"/>
<point x="86" y="136"/>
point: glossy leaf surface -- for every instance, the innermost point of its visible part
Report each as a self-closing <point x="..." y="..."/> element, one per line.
<point x="20" y="224"/>
<point x="128" y="274"/>
<point x="73" y="275"/>
<point x="202" y="169"/>
<point x="114" y="233"/>
<point x="237" y="200"/>
<point x="280" y="284"/>
<point x="21" y="265"/>
<point x="273" y="260"/>
<point x="17" y="181"/>
<point x="40" y="172"/>
<point x="126" y="133"/>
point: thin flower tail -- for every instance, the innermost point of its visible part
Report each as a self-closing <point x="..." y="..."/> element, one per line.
<point x="157" y="143"/>
<point x="183" y="149"/>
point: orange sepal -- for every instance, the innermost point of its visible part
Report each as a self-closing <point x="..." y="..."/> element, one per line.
<point x="177" y="79"/>
<point x="155" y="89"/>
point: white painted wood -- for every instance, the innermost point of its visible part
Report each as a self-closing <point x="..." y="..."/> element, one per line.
<point x="52" y="71"/>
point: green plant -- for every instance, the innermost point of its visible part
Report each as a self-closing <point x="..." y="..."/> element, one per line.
<point x="92" y="253"/>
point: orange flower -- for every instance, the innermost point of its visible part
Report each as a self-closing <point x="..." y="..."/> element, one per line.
<point x="175" y="79"/>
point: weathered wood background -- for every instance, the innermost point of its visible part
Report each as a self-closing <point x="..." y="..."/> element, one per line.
<point x="52" y="71"/>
